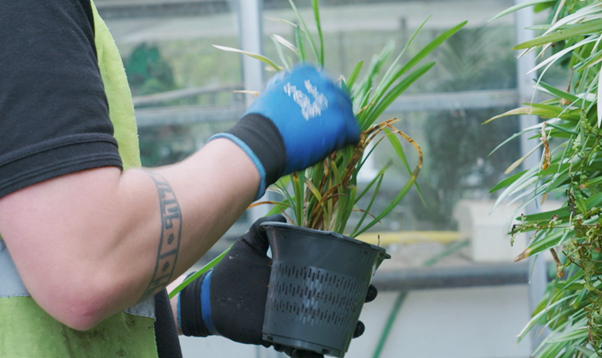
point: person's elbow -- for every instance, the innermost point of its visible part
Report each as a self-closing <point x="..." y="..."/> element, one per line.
<point x="79" y="306"/>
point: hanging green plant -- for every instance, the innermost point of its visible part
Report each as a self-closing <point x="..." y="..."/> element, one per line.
<point x="570" y="139"/>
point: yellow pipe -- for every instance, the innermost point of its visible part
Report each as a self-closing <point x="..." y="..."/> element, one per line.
<point x="409" y="237"/>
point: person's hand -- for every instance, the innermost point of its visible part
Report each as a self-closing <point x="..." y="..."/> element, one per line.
<point x="235" y="293"/>
<point x="299" y="119"/>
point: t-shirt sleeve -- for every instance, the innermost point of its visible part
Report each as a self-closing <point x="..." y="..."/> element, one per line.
<point x="54" y="116"/>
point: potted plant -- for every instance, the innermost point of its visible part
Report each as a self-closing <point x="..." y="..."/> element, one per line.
<point x="570" y="138"/>
<point x="319" y="276"/>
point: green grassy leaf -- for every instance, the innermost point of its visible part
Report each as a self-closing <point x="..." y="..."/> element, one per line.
<point x="530" y="177"/>
<point x="563" y="128"/>
<point x="411" y="63"/>
<point x="251" y="54"/>
<point x="380" y="177"/>
<point x="538" y="317"/>
<point x="541" y="7"/>
<point x="574" y="333"/>
<point x="408" y="185"/>
<point x="279" y="208"/>
<point x="506" y="182"/>
<point x="315" y="4"/>
<point x="299" y="192"/>
<point x="303" y="28"/>
<point x="514" y="136"/>
<point x="280" y="53"/>
<point x="376" y="64"/>
<point x="517" y="163"/>
<point x="547" y="216"/>
<point x="521" y="6"/>
<point x="594" y="201"/>
<point x="529" y="110"/>
<point x="568" y="31"/>
<point x="429" y="48"/>
<point x="559" y="93"/>
<point x="393" y="73"/>
<point x="395" y="92"/>
<point x="370" y="184"/>
<point x="300" y="45"/>
<point x="402" y="156"/>
<point x="354" y="73"/>
<point x="286" y="43"/>
<point x="197" y="274"/>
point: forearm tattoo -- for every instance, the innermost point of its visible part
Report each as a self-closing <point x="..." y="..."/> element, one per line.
<point x="169" y="242"/>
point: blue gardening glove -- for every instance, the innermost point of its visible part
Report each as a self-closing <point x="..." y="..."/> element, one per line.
<point x="230" y="299"/>
<point x="299" y="119"/>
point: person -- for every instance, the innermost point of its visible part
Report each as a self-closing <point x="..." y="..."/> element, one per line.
<point x="89" y="239"/>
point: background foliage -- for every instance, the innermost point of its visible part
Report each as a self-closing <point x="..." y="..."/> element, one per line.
<point x="571" y="164"/>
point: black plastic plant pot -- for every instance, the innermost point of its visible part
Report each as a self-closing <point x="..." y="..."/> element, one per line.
<point x="318" y="284"/>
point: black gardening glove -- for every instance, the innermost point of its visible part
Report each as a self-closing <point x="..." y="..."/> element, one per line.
<point x="230" y="299"/>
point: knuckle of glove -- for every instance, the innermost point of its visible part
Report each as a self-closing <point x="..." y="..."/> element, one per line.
<point x="359" y="329"/>
<point x="371" y="294"/>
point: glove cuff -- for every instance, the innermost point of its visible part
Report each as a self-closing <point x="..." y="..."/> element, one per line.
<point x="195" y="304"/>
<point x="260" y="139"/>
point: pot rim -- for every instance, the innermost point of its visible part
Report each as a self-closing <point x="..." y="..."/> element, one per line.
<point x="326" y="234"/>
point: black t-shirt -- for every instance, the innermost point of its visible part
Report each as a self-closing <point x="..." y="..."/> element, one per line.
<point x="54" y="116"/>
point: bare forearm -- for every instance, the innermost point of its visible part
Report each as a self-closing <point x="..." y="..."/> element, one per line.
<point x="96" y="242"/>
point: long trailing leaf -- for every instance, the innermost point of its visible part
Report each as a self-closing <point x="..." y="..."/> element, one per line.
<point x="276" y="19"/>
<point x="402" y="156"/>
<point x="354" y="73"/>
<point x="284" y="191"/>
<point x="536" y="127"/>
<point x="375" y="66"/>
<point x="563" y="34"/>
<point x="547" y="216"/>
<point x="345" y="210"/>
<point x="315" y="4"/>
<point x="507" y="140"/>
<point x="303" y="28"/>
<point x="197" y="274"/>
<point x="369" y="186"/>
<point x="283" y="59"/>
<point x="506" y="182"/>
<point x="427" y="50"/>
<point x="557" y="56"/>
<point x="250" y="54"/>
<point x="520" y="6"/>
<point x="286" y="43"/>
<point x="380" y="177"/>
<point x="405" y="188"/>
<point x="563" y="129"/>
<point x="396" y="92"/>
<point x="599" y="103"/>
<point x="300" y="46"/>
<point x="575" y="333"/>
<point x="521" y="160"/>
<point x="298" y="189"/>
<point x="530" y="177"/>
<point x="558" y="93"/>
<point x="581" y="15"/>
<point x="529" y="110"/>
<point x="538" y="317"/>
<point x="392" y="75"/>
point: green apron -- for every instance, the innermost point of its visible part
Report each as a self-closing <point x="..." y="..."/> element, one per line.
<point x="26" y="330"/>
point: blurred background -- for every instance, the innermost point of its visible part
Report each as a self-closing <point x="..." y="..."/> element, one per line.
<point x="451" y="288"/>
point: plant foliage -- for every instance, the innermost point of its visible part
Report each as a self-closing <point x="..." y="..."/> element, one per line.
<point x="324" y="196"/>
<point x="570" y="139"/>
